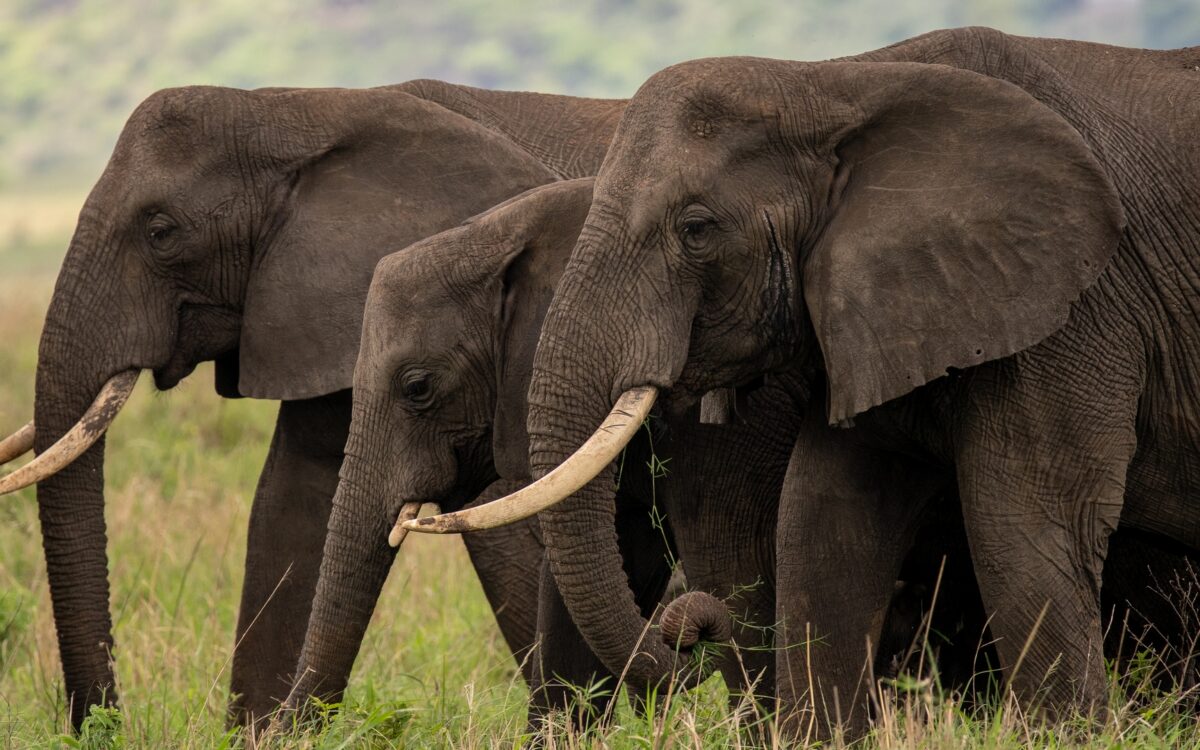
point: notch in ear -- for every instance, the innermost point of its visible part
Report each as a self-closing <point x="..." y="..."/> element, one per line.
<point x="540" y="228"/>
<point x="970" y="217"/>
<point x="387" y="169"/>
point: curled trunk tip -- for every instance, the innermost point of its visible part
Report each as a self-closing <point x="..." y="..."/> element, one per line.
<point x="695" y="617"/>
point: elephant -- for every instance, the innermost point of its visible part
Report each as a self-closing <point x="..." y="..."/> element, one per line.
<point x="987" y="249"/>
<point x="450" y="326"/>
<point x="243" y="227"/>
<point x="449" y="331"/>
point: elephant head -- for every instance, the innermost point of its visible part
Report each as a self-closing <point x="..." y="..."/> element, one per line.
<point x="449" y="331"/>
<point x="241" y="226"/>
<point x="884" y="222"/>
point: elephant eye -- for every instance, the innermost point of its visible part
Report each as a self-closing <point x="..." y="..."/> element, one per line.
<point x="695" y="233"/>
<point x="416" y="387"/>
<point x="160" y="231"/>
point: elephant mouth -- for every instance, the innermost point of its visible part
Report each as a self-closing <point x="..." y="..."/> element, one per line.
<point x="166" y="378"/>
<point x="680" y="398"/>
<point x="694" y="384"/>
<point x="219" y="329"/>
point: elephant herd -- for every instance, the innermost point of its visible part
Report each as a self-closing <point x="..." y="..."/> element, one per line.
<point x="925" y="317"/>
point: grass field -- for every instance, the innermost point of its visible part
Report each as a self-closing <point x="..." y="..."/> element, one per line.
<point x="434" y="671"/>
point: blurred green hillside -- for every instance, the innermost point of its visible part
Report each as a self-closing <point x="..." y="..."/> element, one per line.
<point x="71" y="71"/>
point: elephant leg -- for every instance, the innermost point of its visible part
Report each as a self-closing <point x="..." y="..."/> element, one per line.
<point x="563" y="663"/>
<point x="503" y="559"/>
<point x="848" y="516"/>
<point x="1041" y="471"/>
<point x="283" y="550"/>
<point x="565" y="675"/>
<point x="1149" y="601"/>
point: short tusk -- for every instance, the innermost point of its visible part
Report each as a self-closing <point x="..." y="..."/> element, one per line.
<point x="17" y="444"/>
<point x="79" y="438"/>
<point x="601" y="448"/>
<point x="408" y="512"/>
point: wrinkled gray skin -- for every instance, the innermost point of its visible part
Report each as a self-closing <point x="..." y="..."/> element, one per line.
<point x="449" y="331"/>
<point x="1018" y="213"/>
<point x="243" y="226"/>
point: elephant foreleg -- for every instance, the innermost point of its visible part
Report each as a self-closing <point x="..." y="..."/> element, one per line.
<point x="566" y="677"/>
<point x="283" y="550"/>
<point x="507" y="561"/>
<point x="1041" y="471"/>
<point x="848" y="516"/>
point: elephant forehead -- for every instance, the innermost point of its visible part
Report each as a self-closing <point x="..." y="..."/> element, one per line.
<point x="416" y="330"/>
<point x="420" y="306"/>
<point x="451" y="263"/>
<point x="172" y="125"/>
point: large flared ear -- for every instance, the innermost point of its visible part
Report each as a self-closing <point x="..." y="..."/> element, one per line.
<point x="387" y="169"/>
<point x="965" y="218"/>
<point x="540" y="229"/>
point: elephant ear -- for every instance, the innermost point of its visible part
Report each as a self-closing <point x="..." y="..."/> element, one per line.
<point x="965" y="218"/>
<point x="540" y="230"/>
<point x="386" y="170"/>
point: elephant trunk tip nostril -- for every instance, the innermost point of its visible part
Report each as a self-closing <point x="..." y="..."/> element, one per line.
<point x="694" y="617"/>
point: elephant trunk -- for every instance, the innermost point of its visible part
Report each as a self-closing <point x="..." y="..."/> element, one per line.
<point x="90" y="353"/>
<point x="577" y="375"/>
<point x="71" y="502"/>
<point x="355" y="566"/>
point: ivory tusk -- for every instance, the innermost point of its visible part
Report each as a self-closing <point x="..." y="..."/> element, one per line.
<point x="601" y="448"/>
<point x="408" y="512"/>
<point x="17" y="444"/>
<point x="79" y="438"/>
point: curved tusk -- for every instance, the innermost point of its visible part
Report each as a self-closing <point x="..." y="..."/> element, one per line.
<point x="79" y="438"/>
<point x="408" y="512"/>
<point x="601" y="448"/>
<point x="17" y="444"/>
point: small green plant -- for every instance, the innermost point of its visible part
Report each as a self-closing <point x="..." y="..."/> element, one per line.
<point x="101" y="730"/>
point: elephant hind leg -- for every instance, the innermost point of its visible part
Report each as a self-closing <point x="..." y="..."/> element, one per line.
<point x="848" y="516"/>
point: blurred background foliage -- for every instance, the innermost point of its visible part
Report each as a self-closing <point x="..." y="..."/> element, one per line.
<point x="71" y="71"/>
